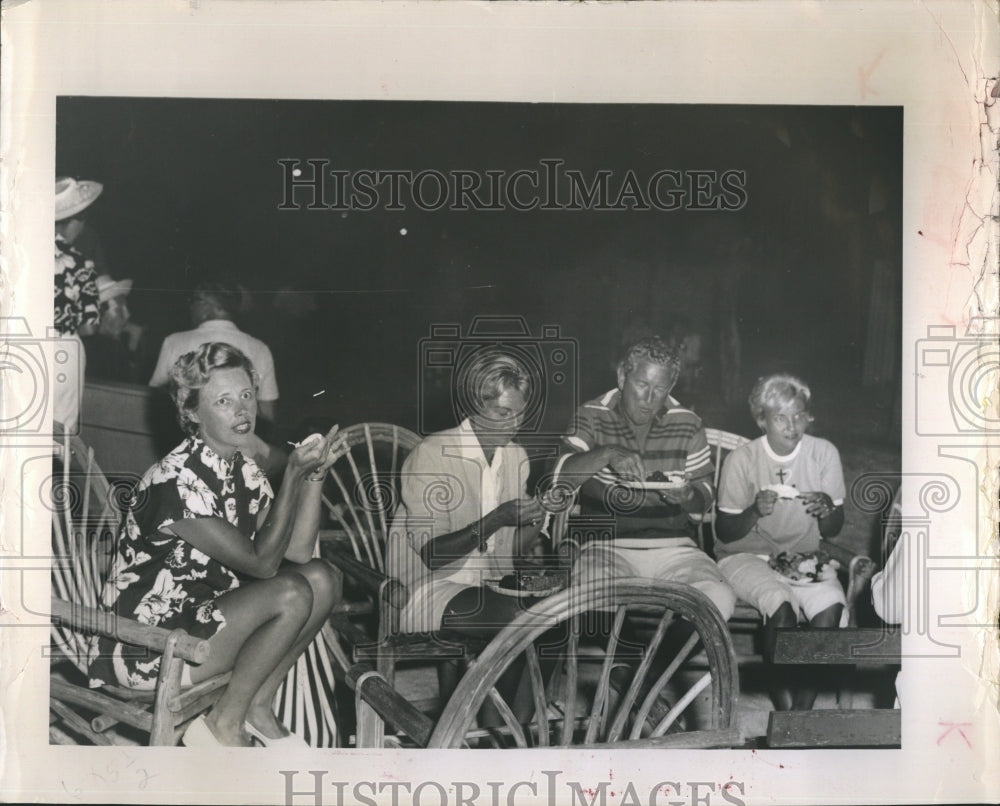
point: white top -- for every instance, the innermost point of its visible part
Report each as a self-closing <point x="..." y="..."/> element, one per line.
<point x="177" y="344"/>
<point x="814" y="466"/>
<point x="469" y="572"/>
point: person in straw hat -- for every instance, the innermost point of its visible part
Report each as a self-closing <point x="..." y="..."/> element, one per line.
<point x="76" y="299"/>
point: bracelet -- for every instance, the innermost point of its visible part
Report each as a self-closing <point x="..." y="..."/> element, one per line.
<point x="316" y="479"/>
<point x="477" y="535"/>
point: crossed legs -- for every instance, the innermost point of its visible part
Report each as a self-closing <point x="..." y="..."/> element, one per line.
<point x="269" y="623"/>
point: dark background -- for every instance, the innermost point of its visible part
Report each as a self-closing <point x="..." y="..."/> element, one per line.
<point x="806" y="277"/>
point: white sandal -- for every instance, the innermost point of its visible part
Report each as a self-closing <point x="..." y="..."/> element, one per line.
<point x="291" y="740"/>
<point x="199" y="734"/>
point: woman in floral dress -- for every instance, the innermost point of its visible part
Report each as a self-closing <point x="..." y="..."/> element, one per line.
<point x="206" y="546"/>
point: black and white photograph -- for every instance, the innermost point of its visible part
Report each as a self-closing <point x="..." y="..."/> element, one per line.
<point x="371" y="256"/>
<point x="384" y="427"/>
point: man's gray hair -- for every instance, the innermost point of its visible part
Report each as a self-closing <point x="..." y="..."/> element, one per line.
<point x="654" y="350"/>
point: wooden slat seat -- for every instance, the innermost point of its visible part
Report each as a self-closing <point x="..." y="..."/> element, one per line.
<point x="880" y="727"/>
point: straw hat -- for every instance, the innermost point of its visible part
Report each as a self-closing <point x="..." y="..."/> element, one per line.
<point x="73" y="197"/>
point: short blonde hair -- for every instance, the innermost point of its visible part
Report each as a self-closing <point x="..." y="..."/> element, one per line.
<point x="487" y="375"/>
<point x="775" y="391"/>
<point x="192" y="371"/>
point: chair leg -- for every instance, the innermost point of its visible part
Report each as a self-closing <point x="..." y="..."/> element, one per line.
<point x="168" y="687"/>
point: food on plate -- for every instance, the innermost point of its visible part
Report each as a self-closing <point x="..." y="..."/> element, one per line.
<point x="670" y="478"/>
<point x="530" y="582"/>
<point x="784" y="490"/>
<point x="309" y="439"/>
<point x="805" y="567"/>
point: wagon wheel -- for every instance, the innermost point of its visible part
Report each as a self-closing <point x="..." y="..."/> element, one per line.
<point x="597" y="693"/>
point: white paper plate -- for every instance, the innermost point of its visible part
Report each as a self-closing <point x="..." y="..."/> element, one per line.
<point x="639" y="484"/>
<point x="801" y="583"/>
<point x="494" y="585"/>
<point x="783" y="490"/>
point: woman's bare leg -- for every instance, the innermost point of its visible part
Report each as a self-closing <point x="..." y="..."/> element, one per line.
<point x="782" y="693"/>
<point x="263" y="619"/>
<point x="805" y="693"/>
<point x="327" y="585"/>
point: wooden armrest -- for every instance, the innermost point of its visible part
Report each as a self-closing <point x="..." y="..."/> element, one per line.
<point x="392" y="591"/>
<point x="103" y="622"/>
<point x="389" y="704"/>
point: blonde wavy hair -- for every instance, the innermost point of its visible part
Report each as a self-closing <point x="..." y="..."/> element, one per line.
<point x="192" y="371"/>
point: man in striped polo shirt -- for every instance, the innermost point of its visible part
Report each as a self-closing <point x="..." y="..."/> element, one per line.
<point x="623" y="437"/>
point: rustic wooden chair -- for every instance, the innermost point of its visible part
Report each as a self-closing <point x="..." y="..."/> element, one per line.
<point x="86" y="511"/>
<point x="579" y="704"/>
<point x="85" y="517"/>
<point x="361" y="497"/>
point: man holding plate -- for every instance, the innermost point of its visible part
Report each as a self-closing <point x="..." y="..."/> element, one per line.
<point x="643" y="459"/>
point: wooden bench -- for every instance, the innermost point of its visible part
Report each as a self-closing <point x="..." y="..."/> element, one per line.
<point x="856" y="647"/>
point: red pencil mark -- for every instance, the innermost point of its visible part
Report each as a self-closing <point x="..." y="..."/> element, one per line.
<point x="864" y="73"/>
<point x="955" y="727"/>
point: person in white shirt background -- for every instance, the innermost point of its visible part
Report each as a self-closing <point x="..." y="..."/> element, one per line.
<point x="213" y="307"/>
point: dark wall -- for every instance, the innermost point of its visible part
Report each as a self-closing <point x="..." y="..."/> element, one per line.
<point x="195" y="186"/>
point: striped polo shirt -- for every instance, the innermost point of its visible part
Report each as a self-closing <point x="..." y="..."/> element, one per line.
<point x="675" y="443"/>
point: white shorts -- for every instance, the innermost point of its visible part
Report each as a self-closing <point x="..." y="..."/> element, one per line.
<point x="761" y="586"/>
<point x="427" y="603"/>
<point x="681" y="563"/>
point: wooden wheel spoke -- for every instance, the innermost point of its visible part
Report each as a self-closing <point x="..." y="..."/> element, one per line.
<point x="380" y="503"/>
<point x="682" y="703"/>
<point x="661" y="682"/>
<point x="598" y="713"/>
<point x="571" y="684"/>
<point x="371" y="547"/>
<point x="629" y="698"/>
<point x="585" y="684"/>
<point x="508" y="717"/>
<point x="538" y="695"/>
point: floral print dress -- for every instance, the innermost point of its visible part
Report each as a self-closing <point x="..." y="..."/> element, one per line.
<point x="76" y="298"/>
<point x="160" y="579"/>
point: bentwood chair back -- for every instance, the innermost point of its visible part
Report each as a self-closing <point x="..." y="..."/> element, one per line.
<point x="86" y="511"/>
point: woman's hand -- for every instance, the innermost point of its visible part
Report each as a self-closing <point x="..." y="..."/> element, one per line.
<point x="314" y="455"/>
<point x="818" y="505"/>
<point x="764" y="502"/>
